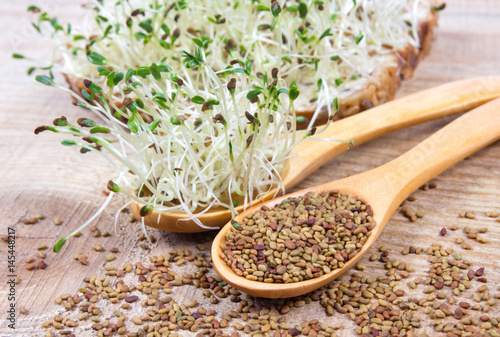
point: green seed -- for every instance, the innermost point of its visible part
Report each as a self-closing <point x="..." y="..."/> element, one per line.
<point x="110" y="257"/>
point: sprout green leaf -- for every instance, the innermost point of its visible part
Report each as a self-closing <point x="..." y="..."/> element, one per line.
<point x="253" y="93"/>
<point x="67" y="142"/>
<point x="302" y="10"/>
<point x="97" y="59"/>
<point x="197" y="100"/>
<point x="59" y="244"/>
<point x="45" y="80"/>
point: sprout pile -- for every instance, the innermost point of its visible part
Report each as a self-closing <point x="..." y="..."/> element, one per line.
<point x="329" y="47"/>
<point x="181" y="149"/>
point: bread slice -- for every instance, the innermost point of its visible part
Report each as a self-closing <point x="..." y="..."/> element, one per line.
<point x="385" y="81"/>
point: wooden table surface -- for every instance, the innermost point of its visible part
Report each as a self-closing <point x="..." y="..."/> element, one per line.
<point x="39" y="176"/>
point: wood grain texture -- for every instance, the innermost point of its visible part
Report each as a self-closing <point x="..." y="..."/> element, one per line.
<point x="38" y="175"/>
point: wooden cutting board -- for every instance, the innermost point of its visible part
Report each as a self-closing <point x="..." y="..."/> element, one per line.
<point x="39" y="176"/>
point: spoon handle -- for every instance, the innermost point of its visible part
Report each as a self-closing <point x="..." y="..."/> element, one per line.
<point x="437" y="102"/>
<point x="396" y="180"/>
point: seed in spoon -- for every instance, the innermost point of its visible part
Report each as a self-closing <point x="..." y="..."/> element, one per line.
<point x="299" y="239"/>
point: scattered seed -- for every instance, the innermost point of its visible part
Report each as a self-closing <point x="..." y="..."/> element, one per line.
<point x="82" y="259"/>
<point x="470" y="215"/>
<point x="110" y="257"/>
<point x="360" y="266"/>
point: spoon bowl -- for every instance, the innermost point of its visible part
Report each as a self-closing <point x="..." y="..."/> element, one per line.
<point x="309" y="155"/>
<point x="383" y="188"/>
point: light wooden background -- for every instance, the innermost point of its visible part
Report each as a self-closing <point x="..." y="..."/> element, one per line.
<point x="37" y="175"/>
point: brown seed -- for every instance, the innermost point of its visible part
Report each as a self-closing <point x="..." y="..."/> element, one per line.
<point x="289" y="244"/>
<point x="97" y="248"/>
<point x="464" y="305"/>
<point x="82" y="259"/>
<point x="439" y="285"/>
<point x="399" y="292"/>
<point x="130" y="299"/>
<point x="443" y="231"/>
<point x="484" y="318"/>
<point x="482" y="288"/>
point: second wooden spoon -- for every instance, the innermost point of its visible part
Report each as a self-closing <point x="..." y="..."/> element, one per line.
<point x="383" y="188"/>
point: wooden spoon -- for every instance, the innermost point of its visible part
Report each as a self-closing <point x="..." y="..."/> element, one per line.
<point x="430" y="104"/>
<point x="384" y="188"/>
